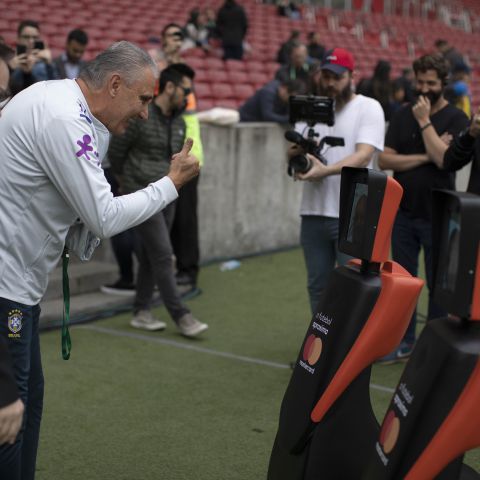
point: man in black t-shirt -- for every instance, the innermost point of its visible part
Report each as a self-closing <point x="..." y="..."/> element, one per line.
<point x="415" y="145"/>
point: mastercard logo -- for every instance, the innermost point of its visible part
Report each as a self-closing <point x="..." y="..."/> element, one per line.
<point x="312" y="349"/>
<point x="390" y="431"/>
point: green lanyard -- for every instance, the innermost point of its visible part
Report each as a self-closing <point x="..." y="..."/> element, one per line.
<point x="66" y="341"/>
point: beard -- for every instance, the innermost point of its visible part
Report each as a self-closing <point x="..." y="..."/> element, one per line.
<point x="340" y="98"/>
<point x="434" y="97"/>
<point x="4" y="94"/>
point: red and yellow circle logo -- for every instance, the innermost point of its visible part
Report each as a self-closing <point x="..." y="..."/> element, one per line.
<point x="312" y="349"/>
<point x="390" y="431"/>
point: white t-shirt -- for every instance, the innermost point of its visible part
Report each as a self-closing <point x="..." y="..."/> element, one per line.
<point x="51" y="149"/>
<point x="361" y="120"/>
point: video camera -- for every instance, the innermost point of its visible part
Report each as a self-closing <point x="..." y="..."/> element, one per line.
<point x="312" y="110"/>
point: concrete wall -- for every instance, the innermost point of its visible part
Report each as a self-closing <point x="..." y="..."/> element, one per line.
<point x="247" y="202"/>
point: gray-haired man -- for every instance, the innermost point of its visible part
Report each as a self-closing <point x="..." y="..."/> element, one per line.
<point x="53" y="137"/>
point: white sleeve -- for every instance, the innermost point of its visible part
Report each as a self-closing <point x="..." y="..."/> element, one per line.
<point x="67" y="152"/>
<point x="371" y="125"/>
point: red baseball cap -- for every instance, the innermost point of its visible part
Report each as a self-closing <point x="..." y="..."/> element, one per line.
<point x="338" y="60"/>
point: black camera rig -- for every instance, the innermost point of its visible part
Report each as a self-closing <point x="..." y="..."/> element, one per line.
<point x="312" y="110"/>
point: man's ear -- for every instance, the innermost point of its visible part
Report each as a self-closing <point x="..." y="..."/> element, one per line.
<point x="114" y="85"/>
<point x="169" y="87"/>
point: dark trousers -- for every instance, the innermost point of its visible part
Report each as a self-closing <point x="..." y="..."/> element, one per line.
<point x="123" y="244"/>
<point x="234" y="52"/>
<point x="319" y="240"/>
<point x="154" y="252"/>
<point x="19" y="328"/>
<point x="184" y="232"/>
<point x="408" y="237"/>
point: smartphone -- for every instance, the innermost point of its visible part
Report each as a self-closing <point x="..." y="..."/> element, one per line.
<point x="39" y="45"/>
<point x="21" y="49"/>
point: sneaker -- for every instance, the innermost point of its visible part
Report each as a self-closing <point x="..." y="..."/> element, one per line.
<point x="189" y="326"/>
<point x="401" y="354"/>
<point x="145" y="320"/>
<point x="120" y="287"/>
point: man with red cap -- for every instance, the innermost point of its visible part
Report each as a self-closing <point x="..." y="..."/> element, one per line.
<point x="360" y="122"/>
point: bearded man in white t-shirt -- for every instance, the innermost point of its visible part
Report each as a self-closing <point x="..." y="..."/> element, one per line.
<point x="360" y="122"/>
<point x="53" y="192"/>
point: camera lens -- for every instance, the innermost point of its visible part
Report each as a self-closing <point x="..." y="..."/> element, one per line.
<point x="299" y="164"/>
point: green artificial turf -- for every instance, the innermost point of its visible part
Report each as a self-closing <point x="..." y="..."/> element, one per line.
<point x="128" y="408"/>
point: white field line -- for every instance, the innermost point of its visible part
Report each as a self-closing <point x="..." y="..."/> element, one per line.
<point x="196" y="348"/>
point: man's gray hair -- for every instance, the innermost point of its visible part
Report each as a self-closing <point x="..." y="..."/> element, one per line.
<point x="123" y="58"/>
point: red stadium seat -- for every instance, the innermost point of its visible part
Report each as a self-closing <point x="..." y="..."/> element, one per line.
<point x="243" y="91"/>
<point x="258" y="79"/>
<point x="226" y="103"/>
<point x="205" y="105"/>
<point x="222" y="90"/>
<point x="203" y="90"/>
<point x="219" y="76"/>
<point x="193" y="53"/>
<point x="213" y="63"/>
<point x="202" y="75"/>
<point x="238" y="77"/>
<point x="196" y="62"/>
<point x="255" y="66"/>
<point x="235" y="65"/>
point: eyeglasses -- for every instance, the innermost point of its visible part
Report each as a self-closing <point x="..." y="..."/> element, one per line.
<point x="186" y="90"/>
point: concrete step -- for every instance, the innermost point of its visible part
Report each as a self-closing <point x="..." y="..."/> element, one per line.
<point x="83" y="307"/>
<point x="84" y="277"/>
<point x="92" y="306"/>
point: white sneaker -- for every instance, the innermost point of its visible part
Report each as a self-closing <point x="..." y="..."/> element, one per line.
<point x="190" y="326"/>
<point x="145" y="320"/>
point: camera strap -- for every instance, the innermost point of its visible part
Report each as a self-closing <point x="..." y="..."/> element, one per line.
<point x="66" y="340"/>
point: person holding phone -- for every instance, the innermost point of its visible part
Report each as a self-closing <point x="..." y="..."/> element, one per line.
<point x="33" y="61"/>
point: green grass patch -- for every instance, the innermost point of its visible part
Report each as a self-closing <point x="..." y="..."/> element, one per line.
<point x="134" y="409"/>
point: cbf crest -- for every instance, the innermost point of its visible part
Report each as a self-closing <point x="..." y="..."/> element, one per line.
<point x="15" y="323"/>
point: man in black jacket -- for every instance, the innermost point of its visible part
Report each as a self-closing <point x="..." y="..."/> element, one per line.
<point x="140" y="157"/>
<point x="466" y="148"/>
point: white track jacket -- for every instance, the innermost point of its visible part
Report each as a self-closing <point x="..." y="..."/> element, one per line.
<point x="51" y="148"/>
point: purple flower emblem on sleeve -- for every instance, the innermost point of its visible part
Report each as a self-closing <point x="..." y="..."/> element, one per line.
<point x="85" y="146"/>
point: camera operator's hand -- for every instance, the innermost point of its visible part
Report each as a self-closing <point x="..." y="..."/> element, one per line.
<point x="421" y="110"/>
<point x="316" y="173"/>
<point x="184" y="166"/>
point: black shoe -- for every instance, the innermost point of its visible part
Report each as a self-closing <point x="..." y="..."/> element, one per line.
<point x="120" y="287"/>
